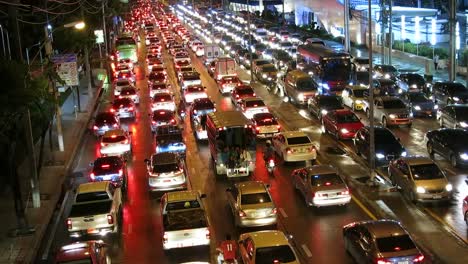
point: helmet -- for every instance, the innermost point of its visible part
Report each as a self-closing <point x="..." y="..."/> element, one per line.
<point x="268" y="142"/>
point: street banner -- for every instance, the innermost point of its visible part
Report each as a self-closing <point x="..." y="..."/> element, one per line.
<point x="66" y="67"/>
<point x="99" y="36"/>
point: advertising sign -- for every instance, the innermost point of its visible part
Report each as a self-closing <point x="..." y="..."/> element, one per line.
<point x="66" y="65"/>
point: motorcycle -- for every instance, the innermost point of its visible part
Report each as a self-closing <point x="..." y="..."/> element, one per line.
<point x="271" y="165"/>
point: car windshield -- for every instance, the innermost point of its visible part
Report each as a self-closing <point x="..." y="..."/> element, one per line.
<point x="164" y="168"/>
<point x="169" y="138"/>
<point x="362" y="60"/>
<point x="193" y="204"/>
<point x="393" y="104"/>
<point x="122" y="82"/>
<point x="113" y="139"/>
<point x="395" y="243"/>
<point x="455" y="88"/>
<point x="254" y="103"/>
<point x="388" y="68"/>
<point x="415" y="79"/>
<point x="105" y="118"/>
<point x="255" y="198"/>
<point x="275" y="254"/>
<point x="359" y="93"/>
<point x="298" y="140"/>
<point x="79" y="261"/>
<point x="330" y="101"/>
<point x="162" y="98"/>
<point x="325" y="180"/>
<point x="426" y="172"/>
<point x="384" y="136"/>
<point x="417" y="97"/>
<point x="123" y="102"/>
<point x="91" y="196"/>
<point x="348" y="118"/>
<point x="305" y="84"/>
<point x="269" y="68"/>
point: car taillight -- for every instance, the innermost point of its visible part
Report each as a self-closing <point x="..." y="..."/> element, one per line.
<point x="120" y="172"/>
<point x="165" y="237"/>
<point x="318" y="195"/>
<point x="130" y="109"/>
<point x="257" y="128"/>
<point x="419" y="259"/>
<point x="110" y="219"/>
<point x="172" y="121"/>
<point x="103" y="144"/>
<point x="253" y="94"/>
<point x="237" y="96"/>
<point x="92" y="176"/>
<point x="345" y="192"/>
<point x="288" y="151"/>
<point x="207" y="234"/>
<point x="69" y="224"/>
<point x="125" y="141"/>
<point x="95" y="127"/>
<point x="130" y="64"/>
<point x="112" y="110"/>
<point x="382" y="261"/>
<point x="153" y="122"/>
<point x="242" y="213"/>
<point x="115" y="125"/>
<point x="274" y="211"/>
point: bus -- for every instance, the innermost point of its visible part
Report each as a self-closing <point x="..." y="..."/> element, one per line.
<point x="331" y="70"/>
<point x="126" y="48"/>
<point x="227" y="131"/>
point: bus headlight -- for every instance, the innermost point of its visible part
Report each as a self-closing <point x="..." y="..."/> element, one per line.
<point x="448" y="187"/>
<point x="420" y="189"/>
<point x="417" y="108"/>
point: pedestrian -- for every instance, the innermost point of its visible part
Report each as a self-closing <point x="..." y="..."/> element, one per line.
<point x="436" y="62"/>
<point x="245" y="157"/>
<point x="313" y="159"/>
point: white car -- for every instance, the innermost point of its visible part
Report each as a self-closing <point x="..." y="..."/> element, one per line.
<point x="193" y="92"/>
<point x="130" y="92"/>
<point x="293" y="146"/>
<point x="116" y="142"/>
<point x="181" y="56"/>
<point x="252" y="105"/>
<point x="156" y="88"/>
<point x="163" y="101"/>
<point x="119" y="84"/>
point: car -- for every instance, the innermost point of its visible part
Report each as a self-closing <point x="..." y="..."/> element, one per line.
<point x="419" y="179"/>
<point x="157" y="77"/>
<point x="385" y="71"/>
<point x="257" y="63"/>
<point x="156" y="88"/>
<point x="126" y="74"/>
<point x="90" y="252"/>
<point x="119" y="84"/>
<point x="131" y="93"/>
<point x="124" y="108"/>
<point x="362" y="64"/>
<point x="128" y="63"/>
<point x="155" y="62"/>
<point x="117" y="142"/>
<point x="189" y="78"/>
<point x="380" y="241"/>
<point x="449" y="93"/>
<point x="109" y="168"/>
<point x="166" y="172"/>
<point x="159" y="69"/>
<point x="293" y="146"/>
<point x="163" y="101"/>
<point x="121" y="68"/>
<point x="182" y="70"/>
<point x="343" y="124"/>
<point x="251" y="204"/>
<point x="465" y="209"/>
<point x="265" y="125"/>
<point x="387" y="146"/>
<point x="386" y="87"/>
<point x="450" y="143"/>
<point x="267" y="73"/>
<point x="169" y="139"/>
<point x="193" y="92"/>
<point x="105" y="121"/>
<point x="268" y="246"/>
<point x="181" y="56"/>
<point x="353" y="97"/>
<point x="248" y="57"/>
<point x="453" y="116"/>
<point x="183" y="63"/>
<point x="420" y="104"/>
<point x="320" y="105"/>
<point x="251" y="106"/>
<point x="227" y="83"/>
<point x="240" y="92"/>
<point x="412" y="82"/>
<point x="321" y="185"/>
<point x="390" y="111"/>
<point x="162" y="117"/>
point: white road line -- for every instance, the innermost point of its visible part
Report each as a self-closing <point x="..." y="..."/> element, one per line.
<point x="283" y="213"/>
<point x="451" y="171"/>
<point x="386" y="209"/>
<point x="306" y="250"/>
<point x="129" y="228"/>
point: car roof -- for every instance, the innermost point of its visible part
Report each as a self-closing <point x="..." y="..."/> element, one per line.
<point x="290" y="134"/>
<point x="268" y="238"/>
<point x="251" y="187"/>
<point x="92" y="187"/>
<point x="114" y="132"/>
<point x="320" y="169"/>
<point x="384" y="228"/>
<point x="164" y="158"/>
<point x="182" y="196"/>
<point x="417" y="160"/>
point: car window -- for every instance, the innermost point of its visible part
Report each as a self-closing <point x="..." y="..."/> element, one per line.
<point x="275" y="254"/>
<point x="395" y="243"/>
<point x="325" y="180"/>
<point x="298" y="140"/>
<point x="92" y="196"/>
<point x="426" y="172"/>
<point x="401" y="165"/>
<point x="164" y="168"/>
<point x="349" y="118"/>
<point x="113" y="139"/>
<point x="192" y="204"/>
<point x="254" y="103"/>
<point x="255" y="198"/>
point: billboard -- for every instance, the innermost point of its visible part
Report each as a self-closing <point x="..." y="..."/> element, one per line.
<point x="66" y="66"/>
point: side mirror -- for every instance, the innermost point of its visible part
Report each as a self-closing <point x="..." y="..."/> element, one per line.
<point x="202" y="195"/>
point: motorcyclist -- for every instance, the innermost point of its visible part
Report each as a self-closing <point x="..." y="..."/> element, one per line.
<point x="269" y="151"/>
<point x="227" y="251"/>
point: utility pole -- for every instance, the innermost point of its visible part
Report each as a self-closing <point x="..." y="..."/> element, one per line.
<point x="250" y="41"/>
<point x="390" y="34"/>
<point x="346" y="26"/>
<point x="36" y="192"/>
<point x="371" y="102"/>
<point x="13" y="21"/>
<point x="383" y="19"/>
<point x="104" y="28"/>
<point x="87" y="64"/>
<point x="452" y="48"/>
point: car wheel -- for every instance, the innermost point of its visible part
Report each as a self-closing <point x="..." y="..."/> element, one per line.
<point x="453" y="161"/>
<point x="384" y="122"/>
<point x="430" y="149"/>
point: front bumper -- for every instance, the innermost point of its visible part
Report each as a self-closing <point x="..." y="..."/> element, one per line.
<point x="433" y="197"/>
<point x="399" y="121"/>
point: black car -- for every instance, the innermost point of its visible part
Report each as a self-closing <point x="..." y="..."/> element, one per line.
<point x="124" y="108"/>
<point x="169" y="139"/>
<point x="321" y="104"/>
<point x="157" y="77"/>
<point x="420" y="104"/>
<point x="384" y="87"/>
<point x="385" y="71"/>
<point x="162" y="117"/>
<point x="453" y="116"/>
<point x="450" y="143"/>
<point x="109" y="168"/>
<point x="387" y="146"/>
<point x="413" y="81"/>
<point x="105" y="121"/>
<point x="201" y="106"/>
<point x="449" y="93"/>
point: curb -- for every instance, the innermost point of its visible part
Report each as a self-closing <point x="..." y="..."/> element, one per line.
<point x="67" y="167"/>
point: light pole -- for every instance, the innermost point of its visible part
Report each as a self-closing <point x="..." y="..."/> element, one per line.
<point x="433" y="36"/>
<point x="3" y="41"/>
<point x="346" y="26"/>
<point x="250" y="41"/>
<point x="371" y="102"/>
<point x="403" y="32"/>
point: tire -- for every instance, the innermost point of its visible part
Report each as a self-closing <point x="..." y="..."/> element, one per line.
<point x="453" y="161"/>
<point x="430" y="149"/>
<point x="384" y="122"/>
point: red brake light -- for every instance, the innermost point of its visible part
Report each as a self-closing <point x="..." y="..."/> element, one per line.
<point x="419" y="259"/>
<point x="112" y="110"/>
<point x="173" y="121"/>
<point x="154" y="122"/>
<point x="382" y="261"/>
<point x="207" y="234"/>
<point x="115" y="125"/>
<point x="95" y="127"/>
<point x="125" y="141"/>
<point x="165" y="237"/>
<point x="110" y="219"/>
<point x="92" y="176"/>
<point x="278" y="127"/>
<point x="328" y="184"/>
<point x="288" y="151"/>
<point x="257" y="128"/>
<point x="130" y="108"/>
<point x="242" y="213"/>
<point x="345" y="192"/>
<point x="69" y="224"/>
<point x="105" y="166"/>
<point x="113" y="136"/>
<point x="274" y="211"/>
<point x="237" y="96"/>
<point x="120" y="172"/>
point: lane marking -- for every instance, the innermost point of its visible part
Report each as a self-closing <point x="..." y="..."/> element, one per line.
<point x="364" y="208"/>
<point x="306" y="250"/>
<point x="448" y="226"/>
<point x="283" y="213"/>
<point x="385" y="208"/>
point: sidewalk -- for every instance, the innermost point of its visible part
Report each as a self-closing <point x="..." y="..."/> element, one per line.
<point x="23" y="249"/>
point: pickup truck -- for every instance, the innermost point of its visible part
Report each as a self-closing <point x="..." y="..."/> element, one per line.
<point x="97" y="210"/>
<point x="185" y="223"/>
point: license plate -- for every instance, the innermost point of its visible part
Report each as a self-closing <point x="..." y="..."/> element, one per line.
<point x="428" y="112"/>
<point x="436" y="196"/>
<point x="168" y="180"/>
<point x="106" y="178"/>
<point x="269" y="135"/>
<point x="332" y="195"/>
<point x="403" y="262"/>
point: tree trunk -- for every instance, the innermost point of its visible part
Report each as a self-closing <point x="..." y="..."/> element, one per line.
<point x="16" y="187"/>
<point x="41" y="150"/>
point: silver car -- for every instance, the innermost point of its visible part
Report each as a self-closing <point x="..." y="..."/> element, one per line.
<point x="391" y="111"/>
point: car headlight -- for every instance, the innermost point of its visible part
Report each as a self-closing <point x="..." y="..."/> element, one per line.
<point x="456" y="99"/>
<point x="247" y="61"/>
<point x="232" y="52"/>
<point x="417" y="108"/>
<point x="300" y="97"/>
<point x="448" y="187"/>
<point x="311" y="73"/>
<point x="414" y="86"/>
<point x="324" y="112"/>
<point x="420" y="189"/>
<point x="358" y="101"/>
<point x="463" y="124"/>
<point x="464" y="156"/>
<point x="404" y="154"/>
<point x="387" y="76"/>
<point x="436" y="107"/>
<point x="344" y="131"/>
<point x="392" y="116"/>
<point x="400" y="91"/>
<point x="380" y="155"/>
<point x="264" y="76"/>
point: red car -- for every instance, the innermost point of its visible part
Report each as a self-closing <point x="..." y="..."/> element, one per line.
<point x="92" y="252"/>
<point x="342" y="123"/>
<point x="465" y="209"/>
<point x="242" y="91"/>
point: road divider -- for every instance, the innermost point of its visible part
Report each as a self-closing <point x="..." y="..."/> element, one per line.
<point x="306" y="250"/>
<point x="447" y="226"/>
<point x="364" y="208"/>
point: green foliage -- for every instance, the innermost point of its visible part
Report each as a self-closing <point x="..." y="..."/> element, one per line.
<point x="421" y="50"/>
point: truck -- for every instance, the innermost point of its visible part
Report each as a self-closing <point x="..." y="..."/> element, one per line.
<point x="211" y="52"/>
<point x="97" y="210"/>
<point x="224" y="66"/>
<point x="185" y="222"/>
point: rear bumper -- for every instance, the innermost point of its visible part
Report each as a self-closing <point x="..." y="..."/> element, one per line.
<point x="297" y="157"/>
<point x="330" y="201"/>
<point x="154" y="186"/>
<point x="96" y="232"/>
<point x="253" y="222"/>
<point x="186" y="243"/>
